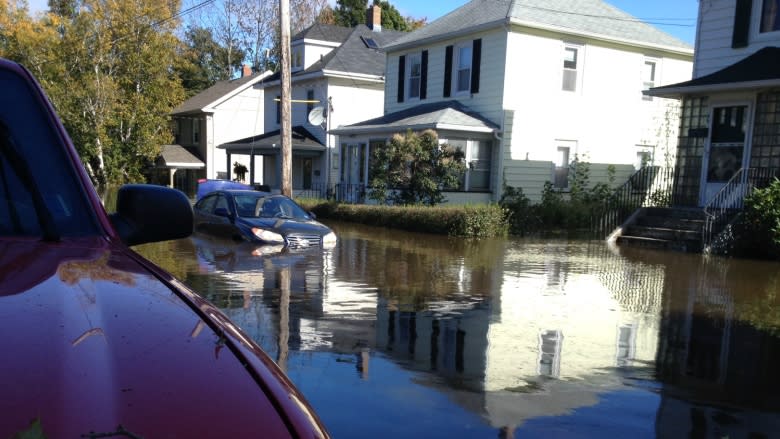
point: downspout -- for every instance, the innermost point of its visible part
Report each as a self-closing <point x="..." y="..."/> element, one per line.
<point x="500" y="168"/>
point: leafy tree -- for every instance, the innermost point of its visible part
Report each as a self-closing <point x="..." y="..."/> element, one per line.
<point x="106" y="66"/>
<point x="416" y="168"/>
<point x="350" y="13"/>
<point x="203" y="61"/>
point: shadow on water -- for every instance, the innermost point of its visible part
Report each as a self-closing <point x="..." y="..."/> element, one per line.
<point x="393" y="333"/>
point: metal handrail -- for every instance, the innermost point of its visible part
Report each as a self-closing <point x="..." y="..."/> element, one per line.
<point x="730" y="199"/>
<point x="650" y="186"/>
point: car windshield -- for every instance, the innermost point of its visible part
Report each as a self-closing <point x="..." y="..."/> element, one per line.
<point x="259" y="206"/>
<point x="40" y="195"/>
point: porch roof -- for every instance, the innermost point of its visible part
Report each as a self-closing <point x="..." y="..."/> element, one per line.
<point x="759" y="70"/>
<point x="271" y="143"/>
<point x="445" y="115"/>
<point x="177" y="156"/>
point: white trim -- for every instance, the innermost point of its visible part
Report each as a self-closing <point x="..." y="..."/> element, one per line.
<point x="319" y="42"/>
<point x="410" y="57"/>
<point x="746" y="145"/>
<point x="456" y="65"/>
<point x="390" y="129"/>
<point x="709" y="88"/>
<point x="185" y="165"/>
<point x="595" y="36"/>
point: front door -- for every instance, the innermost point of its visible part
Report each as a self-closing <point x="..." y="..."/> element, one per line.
<point x="352" y="171"/>
<point x="726" y="150"/>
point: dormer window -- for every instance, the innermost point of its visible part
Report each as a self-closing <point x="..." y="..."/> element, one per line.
<point x="297" y="59"/>
<point x="770" y="16"/>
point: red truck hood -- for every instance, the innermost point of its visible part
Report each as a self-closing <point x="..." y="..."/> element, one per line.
<point x="94" y="343"/>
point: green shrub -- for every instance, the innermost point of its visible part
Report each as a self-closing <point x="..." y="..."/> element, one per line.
<point x="758" y="232"/>
<point x="486" y="220"/>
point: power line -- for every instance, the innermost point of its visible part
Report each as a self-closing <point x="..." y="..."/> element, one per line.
<point x="183" y="12"/>
<point x="655" y="21"/>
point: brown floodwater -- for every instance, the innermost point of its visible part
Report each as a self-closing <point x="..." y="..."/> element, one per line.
<point x="394" y="334"/>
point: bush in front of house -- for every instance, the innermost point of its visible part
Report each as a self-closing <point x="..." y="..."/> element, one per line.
<point x="758" y="230"/>
<point x="414" y="169"/>
<point x="478" y="221"/>
<point x="571" y="211"/>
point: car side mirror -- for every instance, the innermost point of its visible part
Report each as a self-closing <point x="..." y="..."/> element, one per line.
<point x="312" y="215"/>
<point x="148" y="213"/>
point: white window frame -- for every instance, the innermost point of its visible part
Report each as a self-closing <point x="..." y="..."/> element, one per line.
<point x="471" y="145"/>
<point x="579" y="61"/>
<point x="410" y="59"/>
<point x="641" y="150"/>
<point x="648" y="83"/>
<point x="570" y="146"/>
<point x="456" y="68"/>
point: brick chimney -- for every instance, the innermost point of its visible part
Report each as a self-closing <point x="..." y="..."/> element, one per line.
<point x="374" y="18"/>
<point x="246" y="70"/>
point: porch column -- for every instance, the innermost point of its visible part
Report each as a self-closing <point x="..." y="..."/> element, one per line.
<point x="228" y="165"/>
<point x="173" y="171"/>
<point x="252" y="169"/>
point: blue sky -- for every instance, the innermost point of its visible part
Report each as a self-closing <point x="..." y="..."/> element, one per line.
<point x="680" y="14"/>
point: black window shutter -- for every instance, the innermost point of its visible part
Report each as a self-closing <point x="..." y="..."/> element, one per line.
<point x="476" y="58"/>
<point x="447" y="71"/>
<point x="741" y="23"/>
<point x="424" y="75"/>
<point x="401" y="71"/>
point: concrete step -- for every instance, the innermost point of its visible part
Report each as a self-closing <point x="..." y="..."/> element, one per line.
<point x="681" y="213"/>
<point x="687" y="224"/>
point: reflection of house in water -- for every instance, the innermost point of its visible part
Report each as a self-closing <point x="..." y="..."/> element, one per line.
<point x="719" y="371"/>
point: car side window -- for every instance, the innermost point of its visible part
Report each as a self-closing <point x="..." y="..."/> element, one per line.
<point x="222" y="202"/>
<point x="207" y="204"/>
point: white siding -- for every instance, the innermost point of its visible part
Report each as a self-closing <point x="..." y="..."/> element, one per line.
<point x="605" y="118"/>
<point x="236" y="118"/>
<point x="489" y="99"/>
<point x="716" y="24"/>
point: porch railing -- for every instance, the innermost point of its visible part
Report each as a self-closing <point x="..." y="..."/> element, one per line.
<point x="317" y="190"/>
<point x="650" y="186"/>
<point x="350" y="193"/>
<point x="723" y="207"/>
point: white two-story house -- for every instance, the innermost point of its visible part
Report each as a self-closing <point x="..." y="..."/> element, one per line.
<point x="730" y="127"/>
<point x="523" y="87"/>
<point x="337" y="77"/>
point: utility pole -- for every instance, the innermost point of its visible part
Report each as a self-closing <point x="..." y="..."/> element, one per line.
<point x="286" y="131"/>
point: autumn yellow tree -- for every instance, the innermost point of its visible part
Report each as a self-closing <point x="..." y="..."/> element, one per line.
<point x="107" y="67"/>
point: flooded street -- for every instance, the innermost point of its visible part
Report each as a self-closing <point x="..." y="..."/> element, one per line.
<point x="394" y="334"/>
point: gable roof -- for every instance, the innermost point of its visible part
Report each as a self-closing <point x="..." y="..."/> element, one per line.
<point x="177" y="156"/>
<point x="444" y="115"/>
<point x="591" y="18"/>
<point x="353" y="56"/>
<point x="216" y="93"/>
<point x="761" y="69"/>
<point x="323" y="32"/>
<point x="271" y="142"/>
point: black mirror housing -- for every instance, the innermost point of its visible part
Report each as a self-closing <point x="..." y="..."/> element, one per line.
<point x="148" y="213"/>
